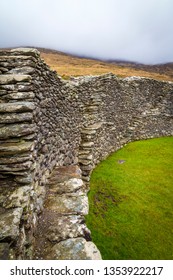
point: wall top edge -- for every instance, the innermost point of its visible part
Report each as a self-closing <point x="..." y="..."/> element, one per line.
<point x="21" y="51"/>
<point x="25" y="51"/>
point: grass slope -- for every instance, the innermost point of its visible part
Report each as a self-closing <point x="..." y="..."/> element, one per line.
<point x="69" y="65"/>
<point x="131" y="202"/>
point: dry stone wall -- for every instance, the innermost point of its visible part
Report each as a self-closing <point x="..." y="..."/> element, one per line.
<point x="121" y="111"/>
<point x="47" y="122"/>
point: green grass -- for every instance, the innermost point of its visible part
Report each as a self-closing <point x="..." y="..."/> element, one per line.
<point x="131" y="202"/>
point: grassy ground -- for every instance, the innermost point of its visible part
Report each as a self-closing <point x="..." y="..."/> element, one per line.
<point x="131" y="202"/>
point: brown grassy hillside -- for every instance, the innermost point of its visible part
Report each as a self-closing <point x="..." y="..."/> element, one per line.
<point x="69" y="65"/>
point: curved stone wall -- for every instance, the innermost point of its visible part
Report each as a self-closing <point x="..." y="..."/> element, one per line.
<point x="47" y="122"/>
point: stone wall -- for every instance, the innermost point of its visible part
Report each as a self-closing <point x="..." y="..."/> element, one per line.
<point x="123" y="110"/>
<point x="47" y="122"/>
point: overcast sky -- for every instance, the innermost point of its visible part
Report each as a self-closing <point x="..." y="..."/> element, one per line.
<point x="135" y="30"/>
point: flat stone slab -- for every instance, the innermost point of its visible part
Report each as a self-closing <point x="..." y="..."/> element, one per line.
<point x="16" y="130"/>
<point x="10" y="107"/>
<point x="95" y="126"/>
<point x="25" y="51"/>
<point x="87" y="144"/>
<point x="13" y="78"/>
<point x="19" y="197"/>
<point x="66" y="204"/>
<point x="15" y="148"/>
<point x="74" y="249"/>
<point x="15" y="118"/>
<point x="9" y="223"/>
<point x="69" y="186"/>
<point x="57" y="228"/>
<point x="67" y="227"/>
<point x="64" y="173"/>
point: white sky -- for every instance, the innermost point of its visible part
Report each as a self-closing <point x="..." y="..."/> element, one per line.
<point x="135" y="30"/>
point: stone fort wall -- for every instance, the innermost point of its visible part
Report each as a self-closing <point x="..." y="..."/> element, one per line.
<point x="46" y="121"/>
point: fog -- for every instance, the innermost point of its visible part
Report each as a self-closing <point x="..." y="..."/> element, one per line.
<point x="134" y="30"/>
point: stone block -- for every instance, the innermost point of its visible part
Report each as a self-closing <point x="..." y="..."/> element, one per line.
<point x="13" y="78"/>
<point x="74" y="249"/>
<point x="69" y="186"/>
<point x="22" y="70"/>
<point x="87" y="145"/>
<point x="9" y="223"/>
<point x="16" y="130"/>
<point x="18" y="198"/>
<point x="19" y="96"/>
<point x="66" y="204"/>
<point x="25" y="51"/>
<point x="16" y="107"/>
<point x="65" y="227"/>
<point x="16" y="166"/>
<point x="15" y="148"/>
<point x="85" y="161"/>
<point x="15" y="118"/>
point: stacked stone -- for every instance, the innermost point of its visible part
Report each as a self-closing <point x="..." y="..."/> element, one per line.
<point x="61" y="233"/>
<point x="17" y="134"/>
<point x="129" y="109"/>
<point x="86" y="159"/>
<point x="90" y="99"/>
<point x="47" y="122"/>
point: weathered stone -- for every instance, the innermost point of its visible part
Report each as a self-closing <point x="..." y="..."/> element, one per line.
<point x="85" y="161"/>
<point x="29" y="137"/>
<point x="86" y="156"/>
<point x="62" y="217"/>
<point x="16" y="130"/>
<point x="92" y="108"/>
<point x="65" y="227"/>
<point x="84" y="152"/>
<point x="16" y="107"/>
<point x="16" y="166"/>
<point x="9" y="223"/>
<point x="22" y="70"/>
<point x="94" y="126"/>
<point x="65" y="204"/>
<point x="62" y="227"/>
<point x="19" y="96"/>
<point x="88" y="132"/>
<point x="87" y="145"/>
<point x="28" y="179"/>
<point x="72" y="185"/>
<point x="15" y="148"/>
<point x="3" y="69"/>
<point x="74" y="249"/>
<point x="15" y="118"/>
<point x="12" y="78"/>
<point x="86" y="178"/>
<point x="25" y="51"/>
<point x="19" y="87"/>
<point x="18" y="198"/>
<point x="14" y="159"/>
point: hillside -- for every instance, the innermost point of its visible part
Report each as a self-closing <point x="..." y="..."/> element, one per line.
<point x="69" y="65"/>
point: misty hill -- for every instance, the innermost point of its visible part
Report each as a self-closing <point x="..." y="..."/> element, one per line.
<point x="70" y="65"/>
